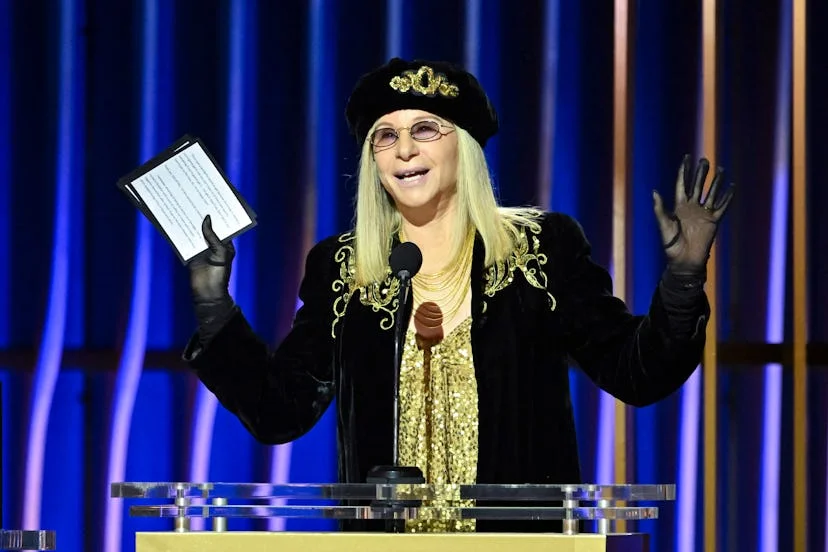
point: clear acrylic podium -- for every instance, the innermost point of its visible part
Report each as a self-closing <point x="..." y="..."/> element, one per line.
<point x="394" y="503"/>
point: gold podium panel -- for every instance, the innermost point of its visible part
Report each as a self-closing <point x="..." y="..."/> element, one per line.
<point x="244" y="541"/>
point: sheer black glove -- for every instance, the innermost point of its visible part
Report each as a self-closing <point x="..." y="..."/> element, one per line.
<point x="210" y="281"/>
<point x="688" y="232"/>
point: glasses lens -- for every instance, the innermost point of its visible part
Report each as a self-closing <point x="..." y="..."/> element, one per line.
<point x="383" y="137"/>
<point x="425" y="130"/>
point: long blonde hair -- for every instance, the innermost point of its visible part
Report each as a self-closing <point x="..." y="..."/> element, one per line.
<point x="378" y="220"/>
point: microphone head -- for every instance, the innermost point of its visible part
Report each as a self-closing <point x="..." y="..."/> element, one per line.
<point x="406" y="260"/>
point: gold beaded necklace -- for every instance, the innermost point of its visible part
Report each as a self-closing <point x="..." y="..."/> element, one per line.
<point x="446" y="288"/>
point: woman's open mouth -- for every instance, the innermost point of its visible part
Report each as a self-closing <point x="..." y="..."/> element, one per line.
<point x="411" y="177"/>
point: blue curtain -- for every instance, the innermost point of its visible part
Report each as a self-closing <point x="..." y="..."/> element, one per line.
<point x="95" y="309"/>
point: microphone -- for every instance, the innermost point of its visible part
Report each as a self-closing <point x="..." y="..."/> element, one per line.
<point x="405" y="261"/>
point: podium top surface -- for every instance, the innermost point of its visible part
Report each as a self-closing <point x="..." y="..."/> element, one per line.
<point x="392" y="501"/>
<point x="390" y="491"/>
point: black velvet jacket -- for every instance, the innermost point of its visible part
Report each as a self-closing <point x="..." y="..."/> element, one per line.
<point x="550" y="303"/>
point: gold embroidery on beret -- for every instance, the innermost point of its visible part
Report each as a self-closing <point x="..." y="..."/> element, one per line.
<point x="426" y="82"/>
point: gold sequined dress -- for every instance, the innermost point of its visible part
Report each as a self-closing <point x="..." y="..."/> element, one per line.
<point x="438" y="418"/>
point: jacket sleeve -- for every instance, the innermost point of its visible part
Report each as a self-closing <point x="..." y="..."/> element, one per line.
<point x="278" y="394"/>
<point x="639" y="359"/>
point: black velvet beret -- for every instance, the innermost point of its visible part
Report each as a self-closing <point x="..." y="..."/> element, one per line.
<point x="435" y="86"/>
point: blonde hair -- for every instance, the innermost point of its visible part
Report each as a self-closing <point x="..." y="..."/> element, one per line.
<point x="377" y="219"/>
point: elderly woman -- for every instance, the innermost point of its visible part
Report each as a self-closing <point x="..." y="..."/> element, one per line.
<point x="504" y="297"/>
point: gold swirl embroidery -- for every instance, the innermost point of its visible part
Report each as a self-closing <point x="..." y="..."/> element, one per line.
<point x="502" y="273"/>
<point x="343" y="286"/>
<point x="426" y="82"/>
<point x="378" y="296"/>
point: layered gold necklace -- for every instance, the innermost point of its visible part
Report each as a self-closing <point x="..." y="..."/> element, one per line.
<point x="447" y="288"/>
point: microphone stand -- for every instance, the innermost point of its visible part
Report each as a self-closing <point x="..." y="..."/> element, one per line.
<point x="395" y="473"/>
<point x="399" y="340"/>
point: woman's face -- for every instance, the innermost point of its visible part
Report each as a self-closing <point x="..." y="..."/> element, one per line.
<point x="416" y="156"/>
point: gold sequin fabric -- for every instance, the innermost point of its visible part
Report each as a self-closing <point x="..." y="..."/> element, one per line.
<point x="438" y="420"/>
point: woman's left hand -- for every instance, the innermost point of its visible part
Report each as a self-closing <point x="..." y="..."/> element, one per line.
<point x="688" y="232"/>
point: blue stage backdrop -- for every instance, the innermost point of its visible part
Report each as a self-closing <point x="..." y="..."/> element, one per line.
<point x="95" y="308"/>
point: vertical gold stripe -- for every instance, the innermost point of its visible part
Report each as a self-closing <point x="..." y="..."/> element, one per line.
<point x="800" y="290"/>
<point x="710" y="373"/>
<point x="621" y="171"/>
<point x="620" y="146"/>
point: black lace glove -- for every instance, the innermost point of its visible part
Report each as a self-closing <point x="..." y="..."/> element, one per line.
<point x="688" y="232"/>
<point x="209" y="283"/>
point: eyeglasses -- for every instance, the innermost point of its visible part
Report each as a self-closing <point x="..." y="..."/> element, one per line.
<point x="421" y="131"/>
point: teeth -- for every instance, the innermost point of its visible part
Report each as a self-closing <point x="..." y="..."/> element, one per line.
<point x="410" y="175"/>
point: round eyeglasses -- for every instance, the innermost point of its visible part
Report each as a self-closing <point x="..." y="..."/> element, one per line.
<point x="421" y="131"/>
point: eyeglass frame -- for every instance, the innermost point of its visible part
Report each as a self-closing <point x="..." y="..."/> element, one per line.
<point x="397" y="130"/>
